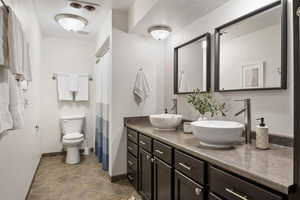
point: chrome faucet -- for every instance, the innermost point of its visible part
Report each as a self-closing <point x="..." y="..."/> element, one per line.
<point x="247" y="119"/>
<point x="174" y="107"/>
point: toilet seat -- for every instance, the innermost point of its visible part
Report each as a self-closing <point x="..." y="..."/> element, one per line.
<point x="73" y="136"/>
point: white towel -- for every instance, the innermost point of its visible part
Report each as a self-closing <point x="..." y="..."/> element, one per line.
<point x="6" y="122"/>
<point x="16" y="103"/>
<point x="4" y="52"/>
<point x="183" y="86"/>
<point x="83" y="88"/>
<point x="74" y="81"/>
<point x="27" y="62"/>
<point x="141" y="87"/>
<point x="63" y="87"/>
<point x="16" y="46"/>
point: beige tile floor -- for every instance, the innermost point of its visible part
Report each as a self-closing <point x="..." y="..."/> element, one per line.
<point x="56" y="180"/>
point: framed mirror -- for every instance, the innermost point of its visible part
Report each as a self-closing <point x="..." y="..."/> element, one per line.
<point x="192" y="65"/>
<point x="251" y="51"/>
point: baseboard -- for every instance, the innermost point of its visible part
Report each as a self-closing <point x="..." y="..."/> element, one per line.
<point x="117" y="178"/>
<point x="63" y="153"/>
<point x="33" y="178"/>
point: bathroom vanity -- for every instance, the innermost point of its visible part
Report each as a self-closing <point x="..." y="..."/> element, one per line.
<point x="173" y="166"/>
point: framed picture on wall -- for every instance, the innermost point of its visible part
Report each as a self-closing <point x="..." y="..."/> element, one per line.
<point x="253" y="75"/>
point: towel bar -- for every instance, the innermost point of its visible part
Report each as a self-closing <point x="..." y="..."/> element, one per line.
<point x="54" y="78"/>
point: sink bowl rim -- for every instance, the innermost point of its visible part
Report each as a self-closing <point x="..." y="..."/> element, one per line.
<point x="166" y="116"/>
<point x="209" y="124"/>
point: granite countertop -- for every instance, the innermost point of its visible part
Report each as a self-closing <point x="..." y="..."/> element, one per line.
<point x="272" y="168"/>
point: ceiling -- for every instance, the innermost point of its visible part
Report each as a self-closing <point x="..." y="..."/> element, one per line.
<point x="122" y="4"/>
<point x="176" y="13"/>
<point x="48" y="9"/>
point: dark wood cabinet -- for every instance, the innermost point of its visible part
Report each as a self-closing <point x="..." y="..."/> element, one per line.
<point x="162" y="180"/>
<point x="145" y="174"/>
<point x="161" y="172"/>
<point x="187" y="189"/>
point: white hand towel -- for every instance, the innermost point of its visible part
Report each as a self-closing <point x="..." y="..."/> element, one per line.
<point x="63" y="87"/>
<point x="141" y="89"/>
<point x="183" y="86"/>
<point x="4" y="51"/>
<point x="74" y="82"/>
<point x="16" y="103"/>
<point x="83" y="88"/>
<point x="16" y="46"/>
<point x="6" y="122"/>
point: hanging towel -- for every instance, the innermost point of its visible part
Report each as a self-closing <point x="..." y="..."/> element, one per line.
<point x="4" y="52"/>
<point x="183" y="86"/>
<point x="141" y="87"/>
<point x="74" y="82"/>
<point x="63" y="87"/>
<point x="16" y="103"/>
<point x="6" y="122"/>
<point x="83" y="88"/>
<point x="27" y="62"/>
<point x="16" y="46"/>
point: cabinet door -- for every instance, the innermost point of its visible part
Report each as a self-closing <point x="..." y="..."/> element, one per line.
<point x="162" y="175"/>
<point x="145" y="174"/>
<point x="186" y="189"/>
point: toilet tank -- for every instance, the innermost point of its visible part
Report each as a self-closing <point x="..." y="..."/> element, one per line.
<point x="72" y="124"/>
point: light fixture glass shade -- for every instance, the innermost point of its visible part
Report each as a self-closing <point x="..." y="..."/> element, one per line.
<point x="160" y="32"/>
<point x="71" y="22"/>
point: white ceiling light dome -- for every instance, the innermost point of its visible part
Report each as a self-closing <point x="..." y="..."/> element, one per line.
<point x="160" y="32"/>
<point x="71" y="22"/>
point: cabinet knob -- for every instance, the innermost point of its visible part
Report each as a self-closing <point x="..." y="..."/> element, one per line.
<point x="152" y="159"/>
<point x="148" y="157"/>
<point x="198" y="191"/>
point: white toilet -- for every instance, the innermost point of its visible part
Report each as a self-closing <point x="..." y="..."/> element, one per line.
<point x="72" y="130"/>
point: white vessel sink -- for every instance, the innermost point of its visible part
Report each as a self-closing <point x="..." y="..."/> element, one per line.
<point x="166" y="122"/>
<point x="218" y="134"/>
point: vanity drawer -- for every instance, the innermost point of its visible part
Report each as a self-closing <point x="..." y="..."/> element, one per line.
<point x="162" y="151"/>
<point x="145" y="142"/>
<point x="132" y="177"/>
<point x="233" y="188"/>
<point x="190" y="166"/>
<point x="132" y="148"/>
<point x="132" y="135"/>
<point x="132" y="162"/>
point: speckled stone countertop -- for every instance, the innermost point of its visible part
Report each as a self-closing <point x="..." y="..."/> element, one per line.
<point x="272" y="168"/>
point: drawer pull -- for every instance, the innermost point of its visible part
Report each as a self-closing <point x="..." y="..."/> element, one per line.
<point x="198" y="191"/>
<point x="129" y="148"/>
<point x="185" y="166"/>
<point x="142" y="143"/>
<point x="236" y="194"/>
<point x="159" y="152"/>
<point x="130" y="163"/>
<point x="129" y="135"/>
<point x="130" y="178"/>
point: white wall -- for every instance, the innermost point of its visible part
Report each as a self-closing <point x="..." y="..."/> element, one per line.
<point x="275" y="106"/>
<point x="20" y="149"/>
<point x="70" y="56"/>
<point x="263" y="45"/>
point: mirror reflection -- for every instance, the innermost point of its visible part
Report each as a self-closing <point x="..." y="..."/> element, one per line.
<point x="250" y="52"/>
<point x="192" y="62"/>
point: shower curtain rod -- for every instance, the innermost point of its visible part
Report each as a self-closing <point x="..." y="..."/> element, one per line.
<point x="5" y="6"/>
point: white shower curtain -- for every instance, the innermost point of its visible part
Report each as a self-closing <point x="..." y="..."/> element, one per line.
<point x="103" y="99"/>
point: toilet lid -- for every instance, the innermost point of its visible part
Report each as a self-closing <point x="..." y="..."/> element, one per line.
<point x="73" y="136"/>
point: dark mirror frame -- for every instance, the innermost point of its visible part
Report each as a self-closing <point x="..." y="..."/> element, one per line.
<point x="208" y="64"/>
<point x="218" y="30"/>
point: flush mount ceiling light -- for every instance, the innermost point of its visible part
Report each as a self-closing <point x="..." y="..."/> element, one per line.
<point x="71" y="22"/>
<point x="160" y="32"/>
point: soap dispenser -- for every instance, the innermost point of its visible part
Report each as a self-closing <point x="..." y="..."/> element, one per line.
<point x="262" y="135"/>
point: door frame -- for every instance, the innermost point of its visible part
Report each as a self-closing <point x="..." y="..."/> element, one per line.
<point x="296" y="40"/>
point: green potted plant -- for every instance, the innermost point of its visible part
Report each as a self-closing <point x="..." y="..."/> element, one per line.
<point x="205" y="103"/>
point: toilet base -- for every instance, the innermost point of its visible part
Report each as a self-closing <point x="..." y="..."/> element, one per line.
<point x="73" y="155"/>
